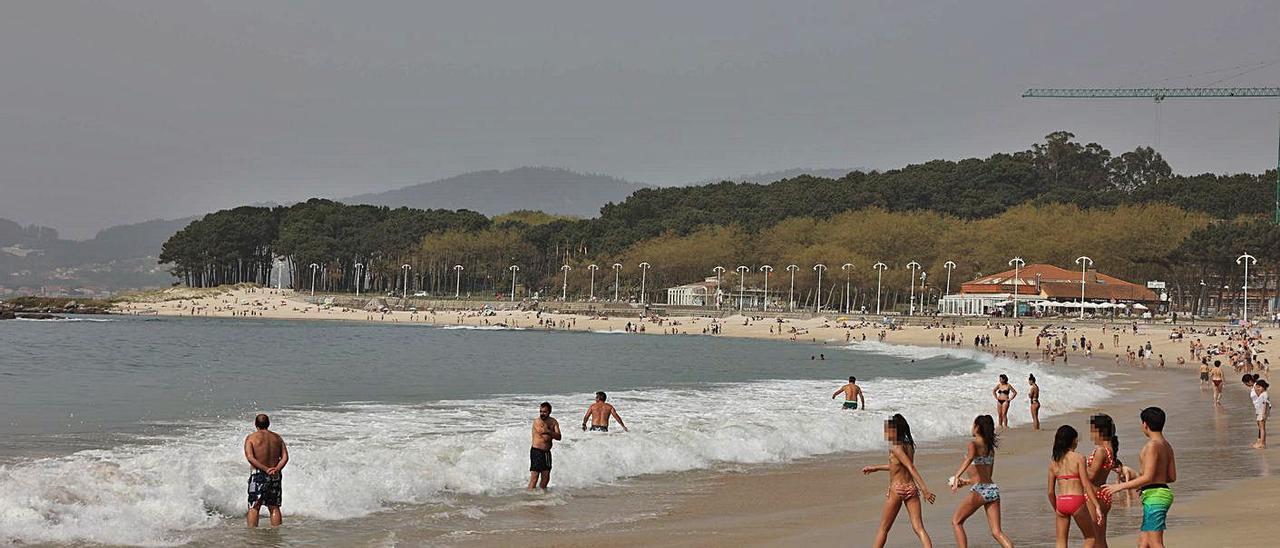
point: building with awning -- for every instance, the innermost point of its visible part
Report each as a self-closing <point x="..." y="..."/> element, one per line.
<point x="1046" y="287"/>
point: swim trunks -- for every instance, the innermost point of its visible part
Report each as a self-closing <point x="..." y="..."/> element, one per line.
<point x="539" y="460"/>
<point x="1156" y="500"/>
<point x="1204" y="377"/>
<point x="264" y="490"/>
<point x="599" y="428"/>
<point x="850" y="404"/>
<point x="989" y="492"/>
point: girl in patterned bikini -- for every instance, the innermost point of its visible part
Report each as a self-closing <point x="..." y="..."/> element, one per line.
<point x="984" y="492"/>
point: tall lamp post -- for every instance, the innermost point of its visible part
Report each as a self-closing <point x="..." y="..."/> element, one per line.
<point x="719" y="270"/>
<point x="359" y="280"/>
<point x="879" y="277"/>
<point x="314" y="268"/>
<point x="616" y="268"/>
<point x="1016" y="263"/>
<point x="766" y="269"/>
<point x="644" y="269"/>
<point x="564" y="289"/>
<point x="513" y="269"/>
<point x="817" y="300"/>
<point x="742" y="284"/>
<point x="406" y="268"/>
<point x="847" y="268"/>
<point x="1246" y="260"/>
<point x="924" y="295"/>
<point x="949" y="265"/>
<point x="457" y="281"/>
<point x="592" y="295"/>
<point x="791" y="294"/>
<point x="911" y="297"/>
<point x="1084" y="263"/>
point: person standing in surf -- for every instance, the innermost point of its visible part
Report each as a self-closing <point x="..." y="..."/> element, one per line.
<point x="984" y="493"/>
<point x="1033" y="394"/>
<point x="599" y="413"/>
<point x="852" y="394"/>
<point x="1004" y="393"/>
<point x="267" y="454"/>
<point x="546" y="430"/>
<point x="1068" y="491"/>
<point x="906" y="485"/>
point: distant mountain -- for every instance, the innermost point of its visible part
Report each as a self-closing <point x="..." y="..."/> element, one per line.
<point x="771" y="176"/>
<point x="551" y="190"/>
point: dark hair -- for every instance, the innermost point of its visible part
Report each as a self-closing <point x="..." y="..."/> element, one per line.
<point x="1004" y="378"/>
<point x="601" y="396"/>
<point x="262" y="421"/>
<point x="1031" y="377"/>
<point x="1153" y="417"/>
<point x="853" y="378"/>
<point x="1063" y="440"/>
<point x="901" y="430"/>
<point x="1107" y="431"/>
<point x="987" y="431"/>
<point x="545" y="404"/>
<point x="1264" y="384"/>
<point x="1217" y="363"/>
<point x="1246" y="378"/>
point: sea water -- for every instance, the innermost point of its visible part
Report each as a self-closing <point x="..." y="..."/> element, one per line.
<point x="131" y="431"/>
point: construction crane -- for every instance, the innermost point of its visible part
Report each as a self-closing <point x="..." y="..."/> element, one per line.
<point x="1159" y="95"/>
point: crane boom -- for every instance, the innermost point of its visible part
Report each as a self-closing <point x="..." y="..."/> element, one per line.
<point x="1160" y="94"/>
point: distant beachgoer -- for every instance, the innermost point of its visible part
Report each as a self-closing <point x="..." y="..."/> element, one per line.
<point x="1101" y="462"/>
<point x="546" y="431"/>
<point x="1204" y="373"/>
<point x="599" y="414"/>
<point x="984" y="492"/>
<point x="1216" y="377"/>
<point x="1033" y="394"/>
<point x="267" y="454"/>
<point x="1004" y="393"/>
<point x="1158" y="471"/>
<point x="906" y="485"/>
<point x="1261" y="409"/>
<point x="852" y="394"/>
<point x="1068" y="491"/>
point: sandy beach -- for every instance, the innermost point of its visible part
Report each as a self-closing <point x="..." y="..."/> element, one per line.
<point x="1224" y="489"/>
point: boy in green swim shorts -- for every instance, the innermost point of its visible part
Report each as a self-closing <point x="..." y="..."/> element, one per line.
<point x="1158" y="471"/>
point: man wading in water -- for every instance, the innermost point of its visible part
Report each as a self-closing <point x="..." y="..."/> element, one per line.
<point x="545" y="431"/>
<point x="852" y="394"/>
<point x="599" y="413"/>
<point x="266" y="452"/>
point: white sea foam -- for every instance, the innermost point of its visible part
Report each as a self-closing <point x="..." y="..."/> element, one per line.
<point x="359" y="458"/>
<point x="53" y="320"/>
<point x="482" y="327"/>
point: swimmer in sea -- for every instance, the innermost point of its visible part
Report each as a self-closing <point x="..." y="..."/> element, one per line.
<point x="599" y="414"/>
<point x="1004" y="393"/>
<point x="852" y="394"/>
<point x="906" y="485"/>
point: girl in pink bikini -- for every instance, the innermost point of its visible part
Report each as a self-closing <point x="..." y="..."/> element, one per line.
<point x="1067" y="492"/>
<point x="1100" y="464"/>
<point x="906" y="486"/>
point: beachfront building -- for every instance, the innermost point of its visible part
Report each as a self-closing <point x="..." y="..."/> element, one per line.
<point x="1044" y="288"/>
<point x="708" y="292"/>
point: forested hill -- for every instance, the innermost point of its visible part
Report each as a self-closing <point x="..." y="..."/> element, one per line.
<point x="552" y="190"/>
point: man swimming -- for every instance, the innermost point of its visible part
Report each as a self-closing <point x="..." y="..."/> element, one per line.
<point x="267" y="454"/>
<point x="1158" y="471"/>
<point x="852" y="394"/>
<point x="599" y="413"/>
<point x="546" y="431"/>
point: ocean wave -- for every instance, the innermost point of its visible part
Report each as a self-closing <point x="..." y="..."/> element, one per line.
<point x="358" y="458"/>
<point x="56" y="320"/>
<point x="483" y="327"/>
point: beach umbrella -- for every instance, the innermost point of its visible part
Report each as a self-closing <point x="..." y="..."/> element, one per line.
<point x="1139" y="306"/>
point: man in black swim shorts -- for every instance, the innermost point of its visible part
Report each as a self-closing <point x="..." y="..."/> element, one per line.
<point x="546" y="430"/>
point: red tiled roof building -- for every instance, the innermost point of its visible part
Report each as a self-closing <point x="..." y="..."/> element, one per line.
<point x="1038" y="283"/>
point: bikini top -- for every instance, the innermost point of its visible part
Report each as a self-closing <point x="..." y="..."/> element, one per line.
<point x="1072" y="476"/>
<point x="987" y="460"/>
<point x="1005" y="392"/>
<point x="1108" y="464"/>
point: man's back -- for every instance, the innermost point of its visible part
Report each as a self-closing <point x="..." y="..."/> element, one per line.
<point x="600" y="412"/>
<point x="267" y="447"/>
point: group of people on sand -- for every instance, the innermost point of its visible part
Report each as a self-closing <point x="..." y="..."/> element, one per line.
<point x="1077" y="486"/>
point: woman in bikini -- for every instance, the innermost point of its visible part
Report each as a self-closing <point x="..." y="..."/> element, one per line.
<point x="1100" y="464"/>
<point x="906" y="486"/>
<point x="984" y="492"/>
<point x="1033" y="394"/>
<point x="1067" y="493"/>
<point x="1004" y="393"/>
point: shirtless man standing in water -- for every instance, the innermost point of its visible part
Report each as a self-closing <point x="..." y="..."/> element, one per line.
<point x="546" y="430"/>
<point x="599" y="413"/>
<point x="852" y="394"/>
<point x="267" y="454"/>
<point x="1158" y="471"/>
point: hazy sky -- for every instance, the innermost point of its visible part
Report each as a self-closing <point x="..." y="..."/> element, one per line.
<point x="137" y="110"/>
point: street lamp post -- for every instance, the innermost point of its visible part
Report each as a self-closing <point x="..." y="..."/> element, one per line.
<point x="791" y="294"/>
<point x="847" y="268"/>
<point x="924" y="296"/>
<point x="718" y="270"/>
<point x="742" y="284"/>
<point x="314" y="268"/>
<point x="564" y="289"/>
<point x="1016" y="263"/>
<point x="879" y="276"/>
<point x="644" y="269"/>
<point x="358" y="278"/>
<point x="817" y="301"/>
<point x="616" y="268"/>
<point x="457" y="281"/>
<point x="513" y="269"/>
<point x="592" y="295"/>
<point x="911" y="297"/>
<point x="1246" y="260"/>
<point x="766" y="269"/>
<point x="949" y="265"/>
<point x="1084" y="263"/>
<point x="406" y="268"/>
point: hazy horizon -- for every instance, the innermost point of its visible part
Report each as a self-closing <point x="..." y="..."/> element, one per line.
<point x="127" y="112"/>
